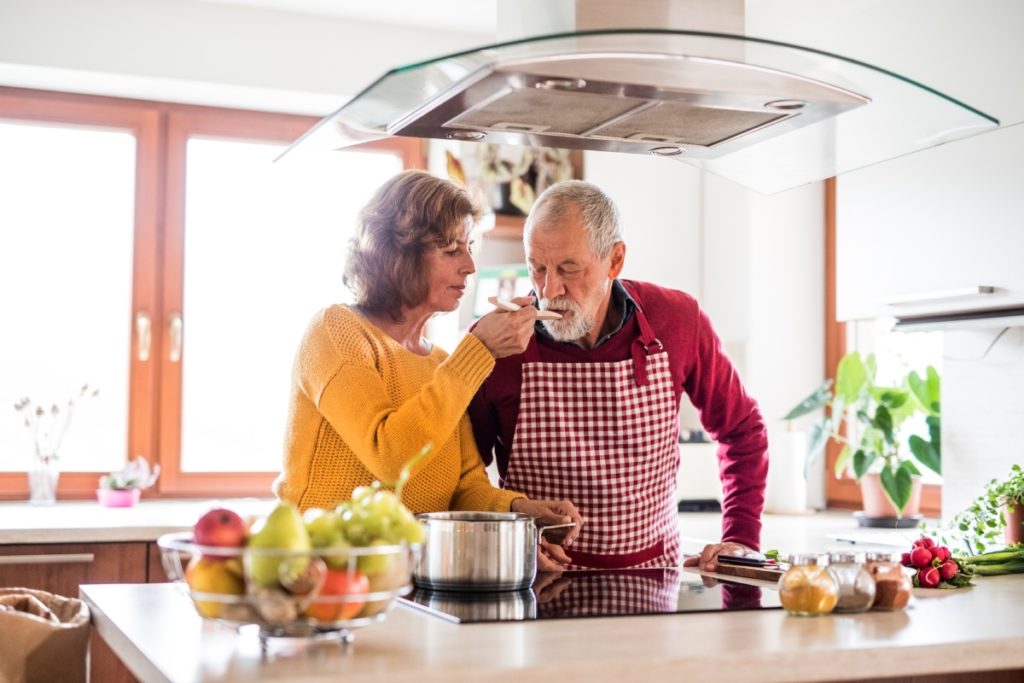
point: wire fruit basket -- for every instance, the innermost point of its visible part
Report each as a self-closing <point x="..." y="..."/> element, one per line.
<point x="322" y="592"/>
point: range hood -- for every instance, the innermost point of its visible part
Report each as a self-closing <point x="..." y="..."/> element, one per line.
<point x="609" y="76"/>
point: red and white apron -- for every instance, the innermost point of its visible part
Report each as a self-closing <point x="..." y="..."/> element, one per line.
<point x="604" y="435"/>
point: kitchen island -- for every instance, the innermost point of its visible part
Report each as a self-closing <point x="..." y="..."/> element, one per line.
<point x="942" y="636"/>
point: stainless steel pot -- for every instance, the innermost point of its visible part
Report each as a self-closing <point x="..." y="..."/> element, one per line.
<point x="477" y="551"/>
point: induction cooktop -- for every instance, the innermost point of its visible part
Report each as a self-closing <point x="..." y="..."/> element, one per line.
<point x="600" y="593"/>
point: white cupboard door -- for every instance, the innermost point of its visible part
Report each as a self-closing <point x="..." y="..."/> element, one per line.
<point x="921" y="234"/>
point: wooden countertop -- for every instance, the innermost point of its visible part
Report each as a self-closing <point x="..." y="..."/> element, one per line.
<point x="155" y="630"/>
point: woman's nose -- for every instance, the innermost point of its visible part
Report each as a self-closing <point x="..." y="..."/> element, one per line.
<point x="468" y="265"/>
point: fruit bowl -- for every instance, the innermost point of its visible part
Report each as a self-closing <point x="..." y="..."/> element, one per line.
<point x="308" y="593"/>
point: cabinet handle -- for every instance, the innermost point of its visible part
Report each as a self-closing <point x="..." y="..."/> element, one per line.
<point x="941" y="295"/>
<point x="65" y="558"/>
<point x="174" y="326"/>
<point x="142" y="330"/>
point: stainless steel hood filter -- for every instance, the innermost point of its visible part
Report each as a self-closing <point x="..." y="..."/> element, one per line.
<point x="765" y="114"/>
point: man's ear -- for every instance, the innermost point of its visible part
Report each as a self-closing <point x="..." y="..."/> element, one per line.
<point x="618" y="259"/>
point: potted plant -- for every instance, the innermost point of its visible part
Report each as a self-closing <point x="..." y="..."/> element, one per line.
<point x="998" y="511"/>
<point x="124" y="487"/>
<point x="870" y="420"/>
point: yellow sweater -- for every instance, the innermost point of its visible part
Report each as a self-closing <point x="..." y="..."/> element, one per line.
<point x="362" y="405"/>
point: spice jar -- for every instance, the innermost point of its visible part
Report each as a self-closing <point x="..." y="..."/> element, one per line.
<point x="855" y="583"/>
<point x="807" y="589"/>
<point x="893" y="586"/>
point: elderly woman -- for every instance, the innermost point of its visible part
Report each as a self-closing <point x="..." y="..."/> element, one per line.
<point x="368" y="390"/>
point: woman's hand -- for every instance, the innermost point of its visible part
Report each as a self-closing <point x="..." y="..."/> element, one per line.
<point x="507" y="333"/>
<point x="549" y="512"/>
<point x="708" y="560"/>
<point x="551" y="557"/>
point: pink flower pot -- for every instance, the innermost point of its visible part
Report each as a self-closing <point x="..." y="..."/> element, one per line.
<point x="118" y="498"/>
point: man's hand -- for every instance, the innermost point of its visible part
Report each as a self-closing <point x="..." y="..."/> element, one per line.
<point x="708" y="560"/>
<point x="551" y="512"/>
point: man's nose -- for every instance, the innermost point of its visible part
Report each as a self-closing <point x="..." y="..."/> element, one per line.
<point x="553" y="287"/>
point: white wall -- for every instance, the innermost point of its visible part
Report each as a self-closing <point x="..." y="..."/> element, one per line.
<point x="982" y="417"/>
<point x="205" y="53"/>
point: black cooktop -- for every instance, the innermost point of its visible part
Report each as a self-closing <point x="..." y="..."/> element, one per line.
<point x="603" y="593"/>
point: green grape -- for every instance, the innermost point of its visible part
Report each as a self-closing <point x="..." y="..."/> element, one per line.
<point x="413" y="532"/>
<point x="384" y="503"/>
<point x="361" y="493"/>
<point x="354" y="529"/>
<point x="371" y="565"/>
<point x="321" y="526"/>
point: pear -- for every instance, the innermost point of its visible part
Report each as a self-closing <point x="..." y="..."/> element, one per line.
<point x="283" y="530"/>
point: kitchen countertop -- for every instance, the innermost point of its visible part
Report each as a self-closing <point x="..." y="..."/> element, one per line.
<point x="969" y="630"/>
<point x="89" y="522"/>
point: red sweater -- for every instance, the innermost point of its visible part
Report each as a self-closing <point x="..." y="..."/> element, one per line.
<point x="699" y="367"/>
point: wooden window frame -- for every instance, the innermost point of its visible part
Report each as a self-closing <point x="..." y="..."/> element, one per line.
<point x="162" y="130"/>
<point x="844" y="492"/>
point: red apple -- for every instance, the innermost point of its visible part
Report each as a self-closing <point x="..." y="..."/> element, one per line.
<point x="340" y="582"/>
<point x="220" y="528"/>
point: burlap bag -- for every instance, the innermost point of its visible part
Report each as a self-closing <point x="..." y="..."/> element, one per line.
<point x="43" y="637"/>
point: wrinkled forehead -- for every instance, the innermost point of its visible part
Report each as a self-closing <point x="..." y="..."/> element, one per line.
<point x="559" y="241"/>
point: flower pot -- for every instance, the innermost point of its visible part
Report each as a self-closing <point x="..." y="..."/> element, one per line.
<point x="1014" y="531"/>
<point x="877" y="504"/>
<point x="118" y="498"/>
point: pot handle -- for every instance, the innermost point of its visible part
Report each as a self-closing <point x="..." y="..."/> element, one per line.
<point x="559" y="537"/>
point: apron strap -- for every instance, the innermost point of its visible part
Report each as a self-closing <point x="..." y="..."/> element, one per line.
<point x="643" y="344"/>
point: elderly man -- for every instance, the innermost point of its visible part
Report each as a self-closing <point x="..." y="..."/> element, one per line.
<point x="589" y="412"/>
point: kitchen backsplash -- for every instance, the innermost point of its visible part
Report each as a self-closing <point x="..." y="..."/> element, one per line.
<point x="982" y="411"/>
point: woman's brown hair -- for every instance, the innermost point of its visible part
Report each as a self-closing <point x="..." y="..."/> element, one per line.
<point x="408" y="215"/>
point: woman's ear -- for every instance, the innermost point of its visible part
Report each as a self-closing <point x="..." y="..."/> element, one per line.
<point x="618" y="259"/>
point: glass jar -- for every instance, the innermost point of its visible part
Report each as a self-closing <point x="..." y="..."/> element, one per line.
<point x="856" y="585"/>
<point x="893" y="586"/>
<point x="807" y="589"/>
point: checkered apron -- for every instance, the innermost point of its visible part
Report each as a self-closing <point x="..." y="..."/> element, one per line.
<point x="604" y="435"/>
<point x="603" y="593"/>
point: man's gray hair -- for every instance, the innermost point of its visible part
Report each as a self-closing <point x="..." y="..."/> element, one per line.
<point x="600" y="215"/>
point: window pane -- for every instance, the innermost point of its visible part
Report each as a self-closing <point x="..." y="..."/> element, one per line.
<point x="896" y="354"/>
<point x="264" y="251"/>
<point x="66" y="236"/>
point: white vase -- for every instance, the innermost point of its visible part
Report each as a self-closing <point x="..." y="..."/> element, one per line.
<point x="43" y="476"/>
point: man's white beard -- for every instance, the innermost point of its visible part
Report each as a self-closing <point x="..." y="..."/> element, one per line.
<point x="567" y="329"/>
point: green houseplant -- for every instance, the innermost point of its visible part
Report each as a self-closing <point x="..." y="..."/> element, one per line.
<point x="996" y="513"/>
<point x="870" y="420"/>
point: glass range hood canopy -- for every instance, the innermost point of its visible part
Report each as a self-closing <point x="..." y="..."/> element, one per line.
<point x="765" y="114"/>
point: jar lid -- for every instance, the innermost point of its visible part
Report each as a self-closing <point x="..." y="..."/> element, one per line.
<point x="883" y="556"/>
<point x="805" y="559"/>
<point x="845" y="557"/>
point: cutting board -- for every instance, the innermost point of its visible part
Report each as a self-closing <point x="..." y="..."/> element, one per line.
<point x="760" y="573"/>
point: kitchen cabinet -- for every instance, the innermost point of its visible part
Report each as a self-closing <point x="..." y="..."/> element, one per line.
<point x="914" y="234"/>
<point x="61" y="567"/>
